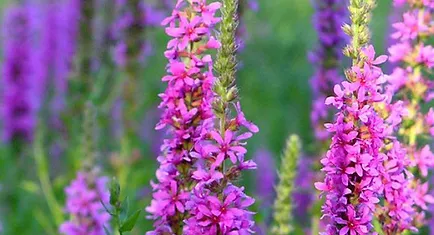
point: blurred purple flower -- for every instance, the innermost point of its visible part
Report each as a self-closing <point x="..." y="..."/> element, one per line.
<point x="19" y="99"/>
<point x="410" y="83"/>
<point x="304" y="193"/>
<point x="327" y="20"/>
<point x="150" y="17"/>
<point x="266" y="181"/>
<point x="84" y="198"/>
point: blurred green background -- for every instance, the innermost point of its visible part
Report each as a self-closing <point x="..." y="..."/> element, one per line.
<point x="274" y="91"/>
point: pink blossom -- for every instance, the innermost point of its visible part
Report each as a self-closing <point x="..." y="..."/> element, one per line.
<point x="410" y="28"/>
<point x="426" y="56"/>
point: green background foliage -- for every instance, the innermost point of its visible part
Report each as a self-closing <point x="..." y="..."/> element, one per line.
<point x="274" y="91"/>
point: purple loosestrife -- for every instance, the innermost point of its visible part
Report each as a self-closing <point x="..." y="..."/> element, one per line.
<point x="88" y="193"/>
<point x="265" y="187"/>
<point x="18" y="109"/>
<point x="265" y="181"/>
<point x="303" y="194"/>
<point x="147" y="16"/>
<point x="410" y="83"/>
<point x="58" y="28"/>
<point x="67" y="15"/>
<point x="82" y="83"/>
<point x="87" y="214"/>
<point x="187" y="111"/>
<point x="352" y="186"/>
<point x="131" y="50"/>
<point x="396" y="213"/>
<point x="327" y="60"/>
<point x="328" y="17"/>
<point x="217" y="205"/>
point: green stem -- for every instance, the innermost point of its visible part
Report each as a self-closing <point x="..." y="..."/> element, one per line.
<point x="47" y="189"/>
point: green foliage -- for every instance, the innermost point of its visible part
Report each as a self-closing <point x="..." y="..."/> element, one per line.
<point x="123" y="222"/>
<point x="272" y="80"/>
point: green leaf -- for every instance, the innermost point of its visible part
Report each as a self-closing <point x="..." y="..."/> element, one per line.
<point x="125" y="207"/>
<point x="129" y="223"/>
<point x="378" y="227"/>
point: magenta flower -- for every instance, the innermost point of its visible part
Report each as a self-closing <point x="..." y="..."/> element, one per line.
<point x="229" y="146"/>
<point x="410" y="83"/>
<point x="180" y="75"/>
<point x="424" y="159"/>
<point x="188" y="31"/>
<point x="369" y="52"/>
<point x="399" y="51"/>
<point x="240" y="120"/>
<point x="355" y="224"/>
<point x="228" y="215"/>
<point x="187" y="114"/>
<point x="208" y="11"/>
<point x="410" y="28"/>
<point x="423" y="197"/>
<point x="207" y="177"/>
<point x="352" y="184"/>
<point x="83" y="203"/>
<point x="173" y="199"/>
<point x="426" y="56"/>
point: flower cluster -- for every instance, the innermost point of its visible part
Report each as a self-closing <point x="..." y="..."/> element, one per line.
<point x="227" y="214"/>
<point x="410" y="83"/>
<point x="67" y="17"/>
<point x="353" y="162"/>
<point x="18" y="103"/>
<point x="195" y="193"/>
<point x="327" y="21"/>
<point x="326" y="59"/>
<point x="186" y="106"/>
<point x="396" y="214"/>
<point x="58" y="27"/>
<point x="222" y="205"/>
<point x="84" y="197"/>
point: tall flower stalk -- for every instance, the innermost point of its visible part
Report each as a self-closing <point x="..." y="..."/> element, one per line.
<point x="217" y="205"/>
<point x="81" y="84"/>
<point x="195" y="193"/>
<point x="327" y="20"/>
<point x="283" y="206"/>
<point x="327" y="60"/>
<point x="133" y="46"/>
<point x="186" y="106"/>
<point x="352" y="186"/>
<point x="19" y="113"/>
<point x="410" y="83"/>
<point x="88" y="193"/>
